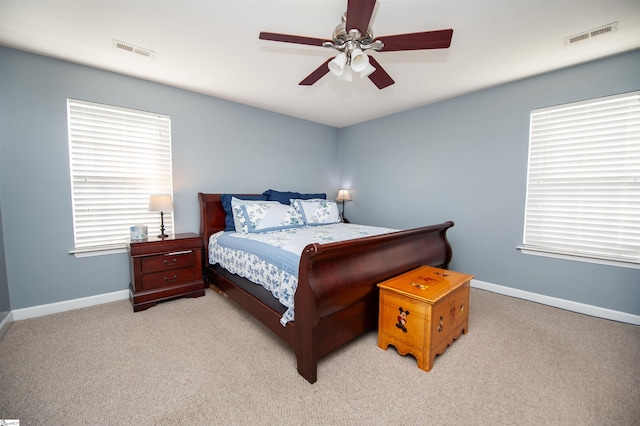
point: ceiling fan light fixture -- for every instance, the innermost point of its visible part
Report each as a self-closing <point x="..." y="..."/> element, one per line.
<point x="350" y="42"/>
<point x="359" y="60"/>
<point x="347" y="75"/>
<point x="337" y="65"/>
<point x="369" y="69"/>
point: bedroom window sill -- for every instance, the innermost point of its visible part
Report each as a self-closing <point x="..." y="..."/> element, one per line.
<point x="90" y="252"/>
<point x="578" y="258"/>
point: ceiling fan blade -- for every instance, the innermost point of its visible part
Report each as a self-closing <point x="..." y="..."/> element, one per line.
<point x="287" y="38"/>
<point x="359" y="14"/>
<point x="440" y="39"/>
<point x="379" y="77"/>
<point x="317" y="74"/>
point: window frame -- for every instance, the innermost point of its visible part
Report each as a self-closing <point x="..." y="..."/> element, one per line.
<point x="118" y="157"/>
<point x="594" y="135"/>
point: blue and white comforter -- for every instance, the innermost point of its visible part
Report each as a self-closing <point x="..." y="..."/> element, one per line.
<point x="271" y="259"/>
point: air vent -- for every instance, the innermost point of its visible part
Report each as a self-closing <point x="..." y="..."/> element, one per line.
<point x="127" y="47"/>
<point x="591" y="33"/>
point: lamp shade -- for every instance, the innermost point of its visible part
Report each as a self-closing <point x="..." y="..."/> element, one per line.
<point x="343" y="195"/>
<point x="347" y="75"/>
<point x="337" y="64"/>
<point x="160" y="203"/>
<point x="369" y="69"/>
<point x="359" y="60"/>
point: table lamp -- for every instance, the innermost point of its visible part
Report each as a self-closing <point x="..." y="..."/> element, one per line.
<point x="343" y="195"/>
<point x="161" y="203"/>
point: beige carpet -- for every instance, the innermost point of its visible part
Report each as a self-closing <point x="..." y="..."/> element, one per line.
<point x="203" y="361"/>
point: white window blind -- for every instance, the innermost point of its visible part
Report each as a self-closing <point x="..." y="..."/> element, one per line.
<point x="583" y="191"/>
<point x="118" y="158"/>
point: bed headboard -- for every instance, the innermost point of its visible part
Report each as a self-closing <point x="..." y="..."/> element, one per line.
<point x="211" y="214"/>
<point x="212" y="217"/>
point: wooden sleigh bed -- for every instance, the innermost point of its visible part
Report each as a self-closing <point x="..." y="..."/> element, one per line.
<point x="337" y="298"/>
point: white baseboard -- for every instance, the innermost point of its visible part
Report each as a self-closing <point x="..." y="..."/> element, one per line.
<point x="68" y="305"/>
<point x="568" y="305"/>
<point x="52" y="308"/>
<point x="5" y="324"/>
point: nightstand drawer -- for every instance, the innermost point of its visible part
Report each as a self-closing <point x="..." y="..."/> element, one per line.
<point x="169" y="278"/>
<point x="169" y="261"/>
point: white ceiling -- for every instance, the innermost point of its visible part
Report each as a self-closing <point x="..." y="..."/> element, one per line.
<point x="212" y="46"/>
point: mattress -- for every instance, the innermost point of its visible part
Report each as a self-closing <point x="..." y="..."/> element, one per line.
<point x="271" y="259"/>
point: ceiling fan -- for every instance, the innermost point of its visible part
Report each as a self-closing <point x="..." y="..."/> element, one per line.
<point x="352" y="37"/>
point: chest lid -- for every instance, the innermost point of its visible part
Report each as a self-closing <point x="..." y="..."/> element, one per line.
<point x="426" y="283"/>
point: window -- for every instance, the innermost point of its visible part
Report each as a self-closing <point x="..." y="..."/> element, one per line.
<point x="583" y="190"/>
<point x="118" y="158"/>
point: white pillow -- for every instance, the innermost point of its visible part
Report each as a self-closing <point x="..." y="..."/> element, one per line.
<point x="238" y="219"/>
<point x="317" y="211"/>
<point x="266" y="217"/>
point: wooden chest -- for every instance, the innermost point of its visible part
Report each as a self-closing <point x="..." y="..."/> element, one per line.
<point x="423" y="311"/>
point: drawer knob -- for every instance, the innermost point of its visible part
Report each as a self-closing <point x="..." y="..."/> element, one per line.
<point x="170" y="280"/>
<point x="173" y="262"/>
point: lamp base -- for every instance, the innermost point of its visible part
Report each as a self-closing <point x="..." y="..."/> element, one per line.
<point x="344" y="219"/>
<point x="162" y="234"/>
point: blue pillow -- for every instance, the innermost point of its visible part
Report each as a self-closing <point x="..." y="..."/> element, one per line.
<point x="285" y="197"/>
<point x="226" y="205"/>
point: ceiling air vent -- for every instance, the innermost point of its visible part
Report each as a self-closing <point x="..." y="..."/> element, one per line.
<point x="591" y="33"/>
<point x="133" y="49"/>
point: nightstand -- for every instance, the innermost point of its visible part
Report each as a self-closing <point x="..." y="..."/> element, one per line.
<point x="165" y="268"/>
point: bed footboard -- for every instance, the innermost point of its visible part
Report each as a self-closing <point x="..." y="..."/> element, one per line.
<point x="337" y="298"/>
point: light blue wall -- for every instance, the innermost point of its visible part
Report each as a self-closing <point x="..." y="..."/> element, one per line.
<point x="466" y="160"/>
<point x="5" y="306"/>
<point x="4" y="283"/>
<point x="463" y="159"/>
<point x="218" y="146"/>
